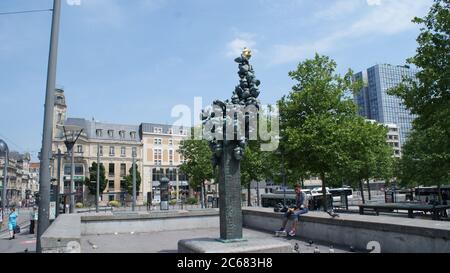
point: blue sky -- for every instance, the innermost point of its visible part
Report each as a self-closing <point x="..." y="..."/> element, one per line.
<point x="132" y="61"/>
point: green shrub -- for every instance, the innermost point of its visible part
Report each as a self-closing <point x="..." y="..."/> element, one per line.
<point x="113" y="204"/>
<point x="173" y="202"/>
<point x="79" y="205"/>
<point x="192" y="201"/>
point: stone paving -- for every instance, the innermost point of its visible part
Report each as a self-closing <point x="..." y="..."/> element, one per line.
<point x="167" y="242"/>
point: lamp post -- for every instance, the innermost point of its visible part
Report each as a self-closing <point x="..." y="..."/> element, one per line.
<point x="71" y="134"/>
<point x="4" y="150"/>
<point x="134" y="180"/>
<point x="44" y="170"/>
<point x="58" y="182"/>
<point x="97" y="196"/>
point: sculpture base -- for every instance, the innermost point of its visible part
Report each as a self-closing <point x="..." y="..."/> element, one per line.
<point x="251" y="245"/>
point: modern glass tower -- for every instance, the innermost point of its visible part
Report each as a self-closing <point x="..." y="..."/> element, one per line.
<point x="373" y="101"/>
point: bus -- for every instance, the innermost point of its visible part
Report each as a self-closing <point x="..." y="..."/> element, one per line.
<point x="271" y="200"/>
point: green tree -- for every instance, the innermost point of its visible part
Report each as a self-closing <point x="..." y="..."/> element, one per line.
<point x="127" y="183"/>
<point x="252" y="166"/>
<point x="426" y="154"/>
<point x="369" y="155"/>
<point x="313" y="117"/>
<point x="91" y="180"/>
<point x="197" y="165"/>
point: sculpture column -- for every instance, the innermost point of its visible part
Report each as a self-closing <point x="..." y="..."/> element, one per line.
<point x="230" y="194"/>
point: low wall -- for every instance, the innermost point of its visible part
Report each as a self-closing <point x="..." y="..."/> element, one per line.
<point x="63" y="235"/>
<point x="394" y="234"/>
<point x="153" y="222"/>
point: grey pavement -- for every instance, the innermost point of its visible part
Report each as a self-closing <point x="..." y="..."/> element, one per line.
<point x="167" y="241"/>
<point x="24" y="242"/>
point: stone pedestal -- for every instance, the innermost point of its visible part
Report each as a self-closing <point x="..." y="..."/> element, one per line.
<point x="230" y="194"/>
<point x="251" y="245"/>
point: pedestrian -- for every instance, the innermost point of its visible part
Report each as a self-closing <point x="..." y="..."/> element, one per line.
<point x="12" y="223"/>
<point x="301" y="207"/>
<point x="33" y="219"/>
<point x="1" y="218"/>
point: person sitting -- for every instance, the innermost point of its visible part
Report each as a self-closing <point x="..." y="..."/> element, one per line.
<point x="301" y="207"/>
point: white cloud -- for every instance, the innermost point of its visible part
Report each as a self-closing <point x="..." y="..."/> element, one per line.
<point x="235" y="47"/>
<point x="373" y="2"/>
<point x="392" y="17"/>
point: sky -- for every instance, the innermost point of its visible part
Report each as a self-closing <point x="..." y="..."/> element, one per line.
<point x="132" y="61"/>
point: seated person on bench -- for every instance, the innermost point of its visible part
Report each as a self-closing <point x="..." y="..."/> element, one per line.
<point x="301" y="207"/>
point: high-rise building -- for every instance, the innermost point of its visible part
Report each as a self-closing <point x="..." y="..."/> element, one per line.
<point x="373" y="101"/>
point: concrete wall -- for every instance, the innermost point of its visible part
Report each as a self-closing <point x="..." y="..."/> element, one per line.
<point x="395" y="235"/>
<point x="63" y="236"/>
<point x="92" y="225"/>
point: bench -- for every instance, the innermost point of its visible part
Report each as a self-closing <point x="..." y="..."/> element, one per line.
<point x="436" y="210"/>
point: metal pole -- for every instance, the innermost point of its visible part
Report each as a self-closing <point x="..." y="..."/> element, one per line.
<point x="284" y="179"/>
<point x="5" y="180"/>
<point x="178" y="185"/>
<point x="97" y="196"/>
<point x="134" y="181"/>
<point x="257" y="193"/>
<point x="44" y="177"/>
<point x="58" y="182"/>
<point x="72" y="183"/>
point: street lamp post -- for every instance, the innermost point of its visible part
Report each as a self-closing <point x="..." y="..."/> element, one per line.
<point x="97" y="196"/>
<point x="134" y="181"/>
<point x="58" y="182"/>
<point x="72" y="133"/>
<point x="44" y="170"/>
<point x="4" y="150"/>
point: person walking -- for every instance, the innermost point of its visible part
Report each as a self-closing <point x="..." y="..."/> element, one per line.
<point x="1" y="218"/>
<point x="12" y="223"/>
<point x="33" y="219"/>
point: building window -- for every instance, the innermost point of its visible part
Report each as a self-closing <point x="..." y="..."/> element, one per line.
<point x="79" y="169"/>
<point x="171" y="174"/>
<point x="133" y="135"/>
<point x="134" y="151"/>
<point x="111" y="169"/>
<point x="170" y="157"/>
<point x="157" y="174"/>
<point x="157" y="141"/>
<point x="123" y="169"/>
<point x="111" y="186"/>
<point x="182" y="160"/>
<point x="157" y="130"/>
<point x="110" y="133"/>
<point x="170" y="142"/>
<point x="170" y="131"/>
<point x="122" y="134"/>
<point x="99" y="132"/>
<point x="123" y="151"/>
<point x="59" y="117"/>
<point x="181" y="176"/>
<point x="79" y="148"/>
<point x="111" y="150"/>
<point x="101" y="151"/>
<point x="158" y="157"/>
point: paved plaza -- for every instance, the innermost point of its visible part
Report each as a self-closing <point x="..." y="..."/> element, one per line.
<point x="167" y="241"/>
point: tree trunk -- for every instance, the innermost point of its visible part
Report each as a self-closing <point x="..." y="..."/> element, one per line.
<point x="249" y="200"/>
<point x="205" y="199"/>
<point x="440" y="194"/>
<point x="361" y="188"/>
<point x="368" y="189"/>
<point x="324" y="192"/>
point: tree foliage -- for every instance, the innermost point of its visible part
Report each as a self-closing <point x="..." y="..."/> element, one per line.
<point x="127" y="183"/>
<point x="426" y="154"/>
<point x="321" y="132"/>
<point x="91" y="180"/>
